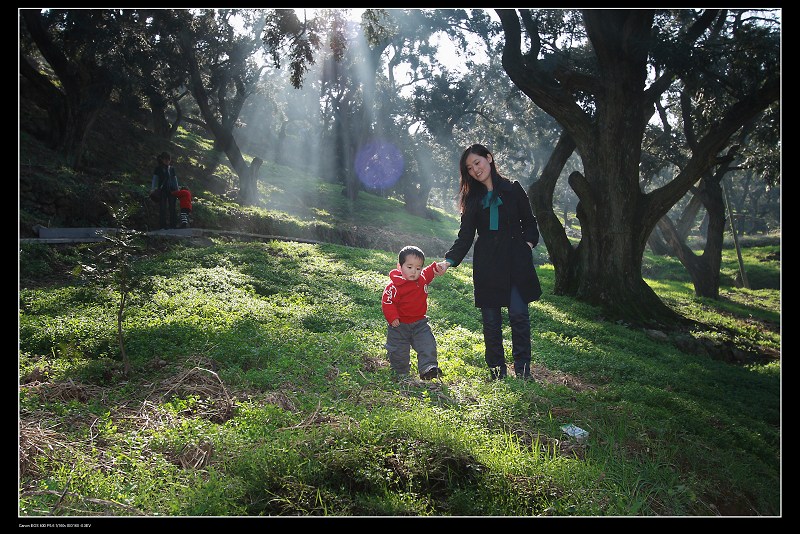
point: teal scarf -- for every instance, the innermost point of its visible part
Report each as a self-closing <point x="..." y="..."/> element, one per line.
<point x="492" y="201"/>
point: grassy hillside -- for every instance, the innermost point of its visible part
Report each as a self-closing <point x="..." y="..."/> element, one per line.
<point x="260" y="384"/>
<point x="119" y="163"/>
<point x="261" y="387"/>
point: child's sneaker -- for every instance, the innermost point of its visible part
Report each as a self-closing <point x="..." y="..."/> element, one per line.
<point x="430" y="374"/>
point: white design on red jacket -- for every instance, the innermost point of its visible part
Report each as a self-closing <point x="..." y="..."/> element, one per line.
<point x="407" y="300"/>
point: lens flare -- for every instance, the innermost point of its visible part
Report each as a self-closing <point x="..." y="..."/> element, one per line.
<point x="379" y="165"/>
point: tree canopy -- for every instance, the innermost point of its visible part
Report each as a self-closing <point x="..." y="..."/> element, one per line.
<point x="648" y="112"/>
<point x="603" y="91"/>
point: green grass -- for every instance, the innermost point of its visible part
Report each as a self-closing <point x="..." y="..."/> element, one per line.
<point x="291" y="207"/>
<point x="260" y="384"/>
<point x="260" y="387"/>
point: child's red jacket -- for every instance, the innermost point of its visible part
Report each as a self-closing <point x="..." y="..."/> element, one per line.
<point x="185" y="198"/>
<point x="407" y="300"/>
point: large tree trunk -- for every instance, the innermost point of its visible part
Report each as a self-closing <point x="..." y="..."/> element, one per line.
<point x="161" y="125"/>
<point x="417" y="185"/>
<point x="248" y="193"/>
<point x="82" y="110"/>
<point x="345" y="154"/>
<point x="607" y="266"/>
<point x="223" y="134"/>
<point x="541" y="198"/>
<point x="658" y="243"/>
<point x="611" y="206"/>
<point x="178" y="118"/>
<point x="616" y="215"/>
<point x="414" y="198"/>
<point x="158" y="114"/>
<point x="85" y="90"/>
<point x="228" y="144"/>
<point x="48" y="97"/>
<point x="703" y="269"/>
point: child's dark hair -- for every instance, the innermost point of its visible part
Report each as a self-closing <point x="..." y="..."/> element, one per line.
<point x="410" y="250"/>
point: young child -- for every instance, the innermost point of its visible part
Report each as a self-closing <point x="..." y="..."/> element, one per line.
<point x="405" y="303"/>
<point x="185" y="198"/>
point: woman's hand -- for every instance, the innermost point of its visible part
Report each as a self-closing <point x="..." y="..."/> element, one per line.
<point x="441" y="267"/>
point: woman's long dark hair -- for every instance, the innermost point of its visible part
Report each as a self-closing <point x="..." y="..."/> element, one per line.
<point x="471" y="191"/>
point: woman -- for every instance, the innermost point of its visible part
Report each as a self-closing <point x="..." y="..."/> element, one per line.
<point x="503" y="273"/>
<point x="165" y="182"/>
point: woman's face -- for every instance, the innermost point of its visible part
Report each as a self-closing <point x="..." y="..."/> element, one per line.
<point x="480" y="168"/>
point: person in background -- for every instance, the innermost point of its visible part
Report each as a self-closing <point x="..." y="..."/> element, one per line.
<point x="185" y="198"/>
<point x="165" y="181"/>
<point x="405" y="304"/>
<point x="503" y="274"/>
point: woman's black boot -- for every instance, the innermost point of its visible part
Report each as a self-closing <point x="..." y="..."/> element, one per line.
<point x="498" y="373"/>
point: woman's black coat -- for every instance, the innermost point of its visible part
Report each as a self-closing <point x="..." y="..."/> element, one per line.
<point x="501" y="256"/>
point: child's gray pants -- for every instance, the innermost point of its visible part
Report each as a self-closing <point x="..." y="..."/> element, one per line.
<point x="401" y="338"/>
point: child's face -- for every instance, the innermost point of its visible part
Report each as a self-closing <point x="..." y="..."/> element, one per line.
<point x="411" y="267"/>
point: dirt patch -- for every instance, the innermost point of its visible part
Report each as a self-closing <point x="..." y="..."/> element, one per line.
<point x="540" y="373"/>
